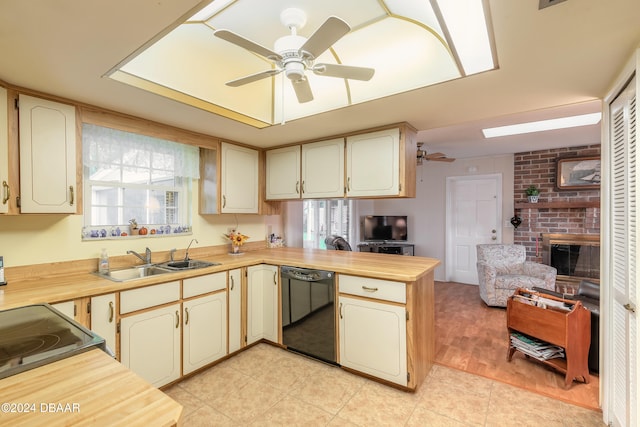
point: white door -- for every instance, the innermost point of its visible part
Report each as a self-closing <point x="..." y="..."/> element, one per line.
<point x="47" y="156"/>
<point x="103" y="318"/>
<point x="204" y="336"/>
<point x="150" y="344"/>
<point x="474" y="210"/>
<point x="283" y="173"/>
<point x="373" y="164"/>
<point x="621" y="272"/>
<point x="239" y="179"/>
<point x="235" y="310"/>
<point x="323" y="169"/>
<point x="4" y="152"/>
<point x="373" y="338"/>
<point x="262" y="303"/>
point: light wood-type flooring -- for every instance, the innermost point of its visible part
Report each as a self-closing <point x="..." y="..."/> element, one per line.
<point x="472" y="337"/>
<point x="268" y="386"/>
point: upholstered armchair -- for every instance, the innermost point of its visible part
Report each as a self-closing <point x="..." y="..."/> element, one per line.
<point x="503" y="268"/>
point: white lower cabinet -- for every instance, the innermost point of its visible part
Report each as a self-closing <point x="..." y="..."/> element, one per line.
<point x="67" y="308"/>
<point x="373" y="338"/>
<point x="103" y="318"/>
<point x="150" y="344"/>
<point x="235" y="310"/>
<point x="262" y="303"/>
<point x="204" y="337"/>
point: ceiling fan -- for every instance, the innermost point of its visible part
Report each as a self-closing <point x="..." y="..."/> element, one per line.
<point x="295" y="54"/>
<point x="435" y="157"/>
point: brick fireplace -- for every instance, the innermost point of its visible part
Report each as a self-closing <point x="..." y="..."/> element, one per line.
<point x="569" y="219"/>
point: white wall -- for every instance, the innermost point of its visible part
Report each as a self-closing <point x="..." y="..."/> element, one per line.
<point x="37" y="239"/>
<point x="426" y="212"/>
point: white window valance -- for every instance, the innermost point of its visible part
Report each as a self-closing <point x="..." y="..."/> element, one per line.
<point x="135" y="149"/>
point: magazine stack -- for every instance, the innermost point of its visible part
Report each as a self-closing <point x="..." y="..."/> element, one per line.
<point x="535" y="348"/>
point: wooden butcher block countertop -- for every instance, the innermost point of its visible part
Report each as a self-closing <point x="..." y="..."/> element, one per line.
<point x="89" y="389"/>
<point x="39" y="288"/>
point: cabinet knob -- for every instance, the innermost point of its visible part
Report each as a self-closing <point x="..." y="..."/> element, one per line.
<point x="494" y="238"/>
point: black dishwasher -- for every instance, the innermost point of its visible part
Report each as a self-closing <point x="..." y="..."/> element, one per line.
<point x="308" y="312"/>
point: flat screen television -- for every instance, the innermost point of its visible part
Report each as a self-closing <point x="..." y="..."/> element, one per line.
<point x="384" y="227"/>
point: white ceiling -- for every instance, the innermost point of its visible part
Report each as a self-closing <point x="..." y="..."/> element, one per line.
<point x="553" y="62"/>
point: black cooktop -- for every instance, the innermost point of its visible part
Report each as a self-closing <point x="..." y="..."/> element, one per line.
<point x="35" y="335"/>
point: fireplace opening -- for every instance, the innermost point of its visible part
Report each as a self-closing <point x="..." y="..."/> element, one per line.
<point x="576" y="260"/>
<point x="575" y="256"/>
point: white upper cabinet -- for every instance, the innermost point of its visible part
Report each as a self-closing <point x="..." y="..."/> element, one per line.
<point x="4" y="152"/>
<point x="323" y="169"/>
<point x="283" y="173"/>
<point x="373" y="164"/>
<point x="239" y="179"/>
<point x="47" y="156"/>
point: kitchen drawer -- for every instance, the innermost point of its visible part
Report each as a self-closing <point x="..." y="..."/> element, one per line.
<point x="372" y="288"/>
<point x="149" y="296"/>
<point x="204" y="284"/>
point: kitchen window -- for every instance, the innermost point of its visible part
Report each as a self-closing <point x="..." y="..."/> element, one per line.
<point x="323" y="218"/>
<point x="129" y="176"/>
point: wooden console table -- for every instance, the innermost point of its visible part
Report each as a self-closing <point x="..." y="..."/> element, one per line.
<point x="568" y="328"/>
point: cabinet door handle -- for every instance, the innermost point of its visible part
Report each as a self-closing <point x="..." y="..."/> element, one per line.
<point x="340" y="310"/>
<point x="111" y="311"/>
<point x="232" y="282"/>
<point x="177" y="319"/>
<point x="302" y="187"/>
<point x="186" y="316"/>
<point x="275" y="278"/>
<point x="348" y="184"/>
<point x="71" y="193"/>
<point x="7" y="192"/>
<point x="297" y="187"/>
<point x="368" y="289"/>
<point x="630" y="307"/>
<point x="224" y="201"/>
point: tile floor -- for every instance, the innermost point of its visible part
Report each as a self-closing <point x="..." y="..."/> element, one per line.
<point x="268" y="386"/>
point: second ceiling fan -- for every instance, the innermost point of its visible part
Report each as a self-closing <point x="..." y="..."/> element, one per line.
<point x="295" y="54"/>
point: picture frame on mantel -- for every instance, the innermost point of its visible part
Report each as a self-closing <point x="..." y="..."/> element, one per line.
<point x="578" y="173"/>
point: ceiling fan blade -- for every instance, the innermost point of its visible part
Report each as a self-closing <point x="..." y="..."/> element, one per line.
<point x="438" y="157"/>
<point x="344" y="71"/>
<point x="252" y="78"/>
<point x="238" y="40"/>
<point x="327" y="34"/>
<point x="303" y="90"/>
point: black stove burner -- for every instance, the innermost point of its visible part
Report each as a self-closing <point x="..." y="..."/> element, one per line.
<point x="35" y="335"/>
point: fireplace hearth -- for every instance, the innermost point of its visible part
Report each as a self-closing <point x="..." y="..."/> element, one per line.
<point x="575" y="256"/>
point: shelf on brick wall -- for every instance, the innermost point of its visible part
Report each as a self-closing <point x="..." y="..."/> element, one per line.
<point x="557" y="205"/>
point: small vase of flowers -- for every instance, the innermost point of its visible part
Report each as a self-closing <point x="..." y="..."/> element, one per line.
<point x="237" y="239"/>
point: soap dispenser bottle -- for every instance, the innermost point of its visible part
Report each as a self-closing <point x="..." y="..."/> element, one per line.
<point x="103" y="262"/>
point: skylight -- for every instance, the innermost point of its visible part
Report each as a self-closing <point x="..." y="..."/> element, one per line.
<point x="543" y="125"/>
<point x="409" y="43"/>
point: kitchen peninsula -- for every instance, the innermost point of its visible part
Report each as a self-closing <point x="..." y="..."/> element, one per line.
<point x="409" y="278"/>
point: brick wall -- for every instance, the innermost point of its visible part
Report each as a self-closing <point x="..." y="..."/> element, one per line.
<point x="539" y="168"/>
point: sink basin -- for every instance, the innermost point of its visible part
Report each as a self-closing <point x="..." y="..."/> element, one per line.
<point x="191" y="264"/>
<point x="133" y="273"/>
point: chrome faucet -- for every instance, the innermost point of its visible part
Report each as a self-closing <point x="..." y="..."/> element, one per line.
<point x="186" y="253"/>
<point x="146" y="259"/>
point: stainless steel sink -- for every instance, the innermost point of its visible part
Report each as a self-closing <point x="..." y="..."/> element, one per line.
<point x="133" y="273"/>
<point x="191" y="264"/>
